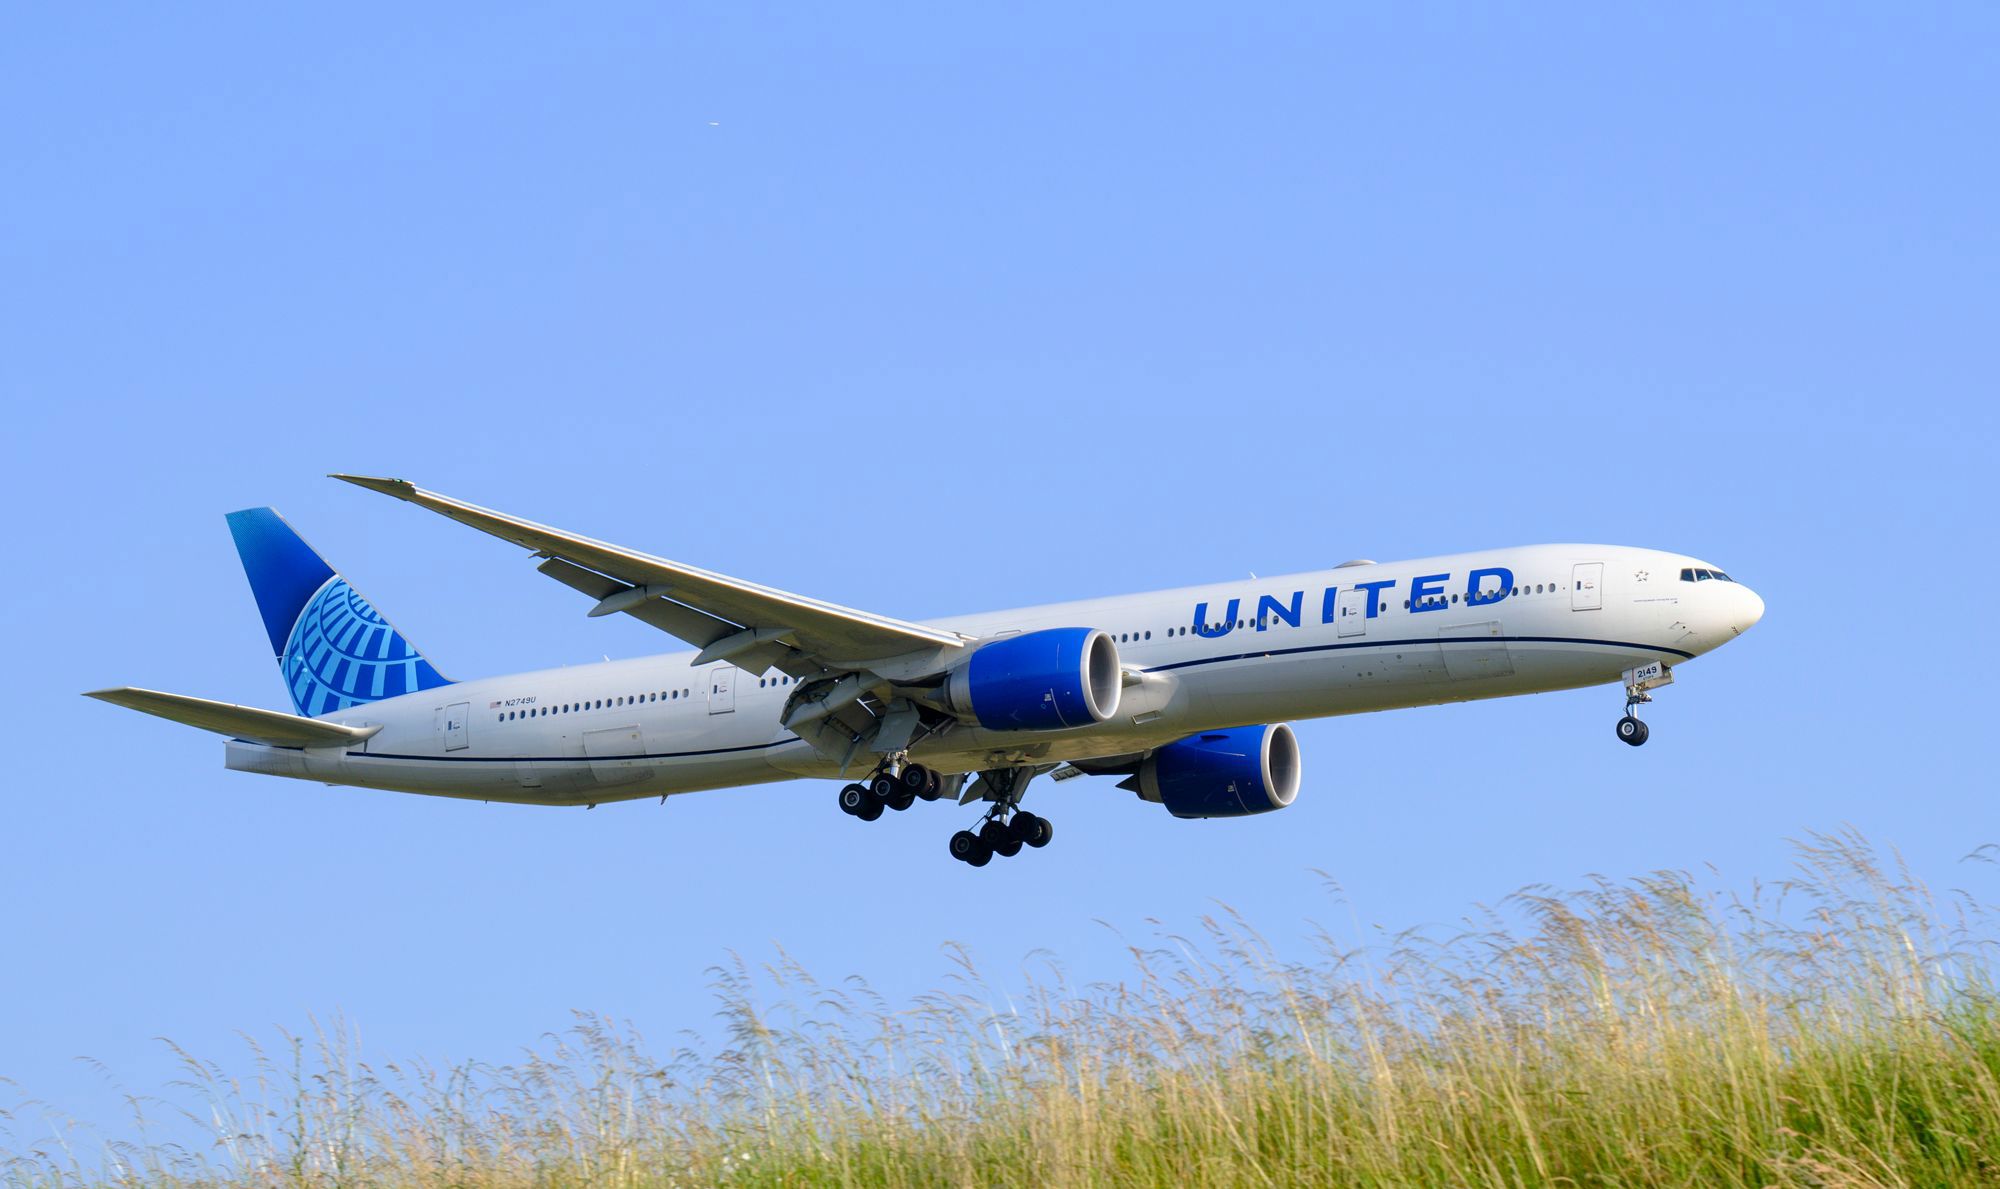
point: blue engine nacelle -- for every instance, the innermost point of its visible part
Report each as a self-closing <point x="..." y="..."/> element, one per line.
<point x="1039" y="681"/>
<point x="1232" y="773"/>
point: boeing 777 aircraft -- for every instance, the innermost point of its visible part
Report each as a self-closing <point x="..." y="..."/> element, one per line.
<point x="1181" y="692"/>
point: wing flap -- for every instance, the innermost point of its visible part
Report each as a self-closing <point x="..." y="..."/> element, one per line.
<point x="685" y="623"/>
<point x="822" y="629"/>
<point x="238" y="722"/>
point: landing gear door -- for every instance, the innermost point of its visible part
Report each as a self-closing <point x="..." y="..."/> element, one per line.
<point x="1350" y="612"/>
<point x="1586" y="587"/>
<point x="456" y="724"/>
<point x="722" y="689"/>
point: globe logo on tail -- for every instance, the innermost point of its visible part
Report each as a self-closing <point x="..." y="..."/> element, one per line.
<point x="342" y="653"/>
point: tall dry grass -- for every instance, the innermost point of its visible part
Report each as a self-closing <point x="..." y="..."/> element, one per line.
<point x="1838" y="1028"/>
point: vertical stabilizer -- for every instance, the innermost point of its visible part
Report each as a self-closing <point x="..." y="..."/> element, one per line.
<point x="334" y="649"/>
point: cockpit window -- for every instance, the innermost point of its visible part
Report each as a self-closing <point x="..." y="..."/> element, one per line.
<point x="1694" y="575"/>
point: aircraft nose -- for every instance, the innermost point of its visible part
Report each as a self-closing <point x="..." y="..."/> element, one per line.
<point x="1748" y="610"/>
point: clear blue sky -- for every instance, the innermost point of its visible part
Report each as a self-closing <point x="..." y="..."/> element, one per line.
<point x="932" y="312"/>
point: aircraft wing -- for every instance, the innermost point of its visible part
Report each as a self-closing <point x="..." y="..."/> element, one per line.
<point x="238" y="722"/>
<point x="750" y="625"/>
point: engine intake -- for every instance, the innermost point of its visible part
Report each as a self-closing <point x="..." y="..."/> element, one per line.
<point x="1232" y="773"/>
<point x="1039" y="681"/>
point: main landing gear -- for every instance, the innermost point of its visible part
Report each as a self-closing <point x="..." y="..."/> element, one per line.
<point x="1637" y="684"/>
<point x="1003" y="838"/>
<point x="1006" y="827"/>
<point x="1004" y="830"/>
<point x="896" y="790"/>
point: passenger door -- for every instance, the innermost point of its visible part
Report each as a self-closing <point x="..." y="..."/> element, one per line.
<point x="1350" y="612"/>
<point x="722" y="689"/>
<point x="457" y="726"/>
<point x="1586" y="586"/>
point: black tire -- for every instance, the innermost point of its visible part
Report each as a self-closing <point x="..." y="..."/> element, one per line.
<point x="902" y="801"/>
<point x="915" y="778"/>
<point x="1645" y="733"/>
<point x="1631" y="731"/>
<point x="883" y="787"/>
<point x="964" y="845"/>
<point x="852" y="798"/>
<point x="1000" y="839"/>
<point x="1033" y="830"/>
<point x="870" y="811"/>
<point x="982" y="856"/>
<point x="934" y="787"/>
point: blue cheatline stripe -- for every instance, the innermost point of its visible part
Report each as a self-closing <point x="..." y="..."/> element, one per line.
<point x="1210" y="660"/>
<point x="1411" y="643"/>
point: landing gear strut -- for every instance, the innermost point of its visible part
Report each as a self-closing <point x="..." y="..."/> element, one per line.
<point x="1637" y="684"/>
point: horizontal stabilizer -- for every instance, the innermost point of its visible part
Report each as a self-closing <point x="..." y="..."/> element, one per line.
<point x="238" y="722"/>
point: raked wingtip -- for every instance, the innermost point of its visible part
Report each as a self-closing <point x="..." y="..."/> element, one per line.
<point x="400" y="488"/>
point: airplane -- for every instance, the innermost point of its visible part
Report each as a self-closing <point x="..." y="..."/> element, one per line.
<point x="1182" y="693"/>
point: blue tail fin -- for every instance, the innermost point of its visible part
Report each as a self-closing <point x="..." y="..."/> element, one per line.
<point x="334" y="649"/>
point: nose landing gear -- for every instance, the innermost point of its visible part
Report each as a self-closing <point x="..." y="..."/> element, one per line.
<point x="1637" y="684"/>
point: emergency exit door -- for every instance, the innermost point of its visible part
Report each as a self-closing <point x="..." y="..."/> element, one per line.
<point x="457" y="724"/>
<point x="722" y="689"/>
<point x="1586" y="586"/>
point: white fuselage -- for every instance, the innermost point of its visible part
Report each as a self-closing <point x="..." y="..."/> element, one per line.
<point x="1572" y="615"/>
